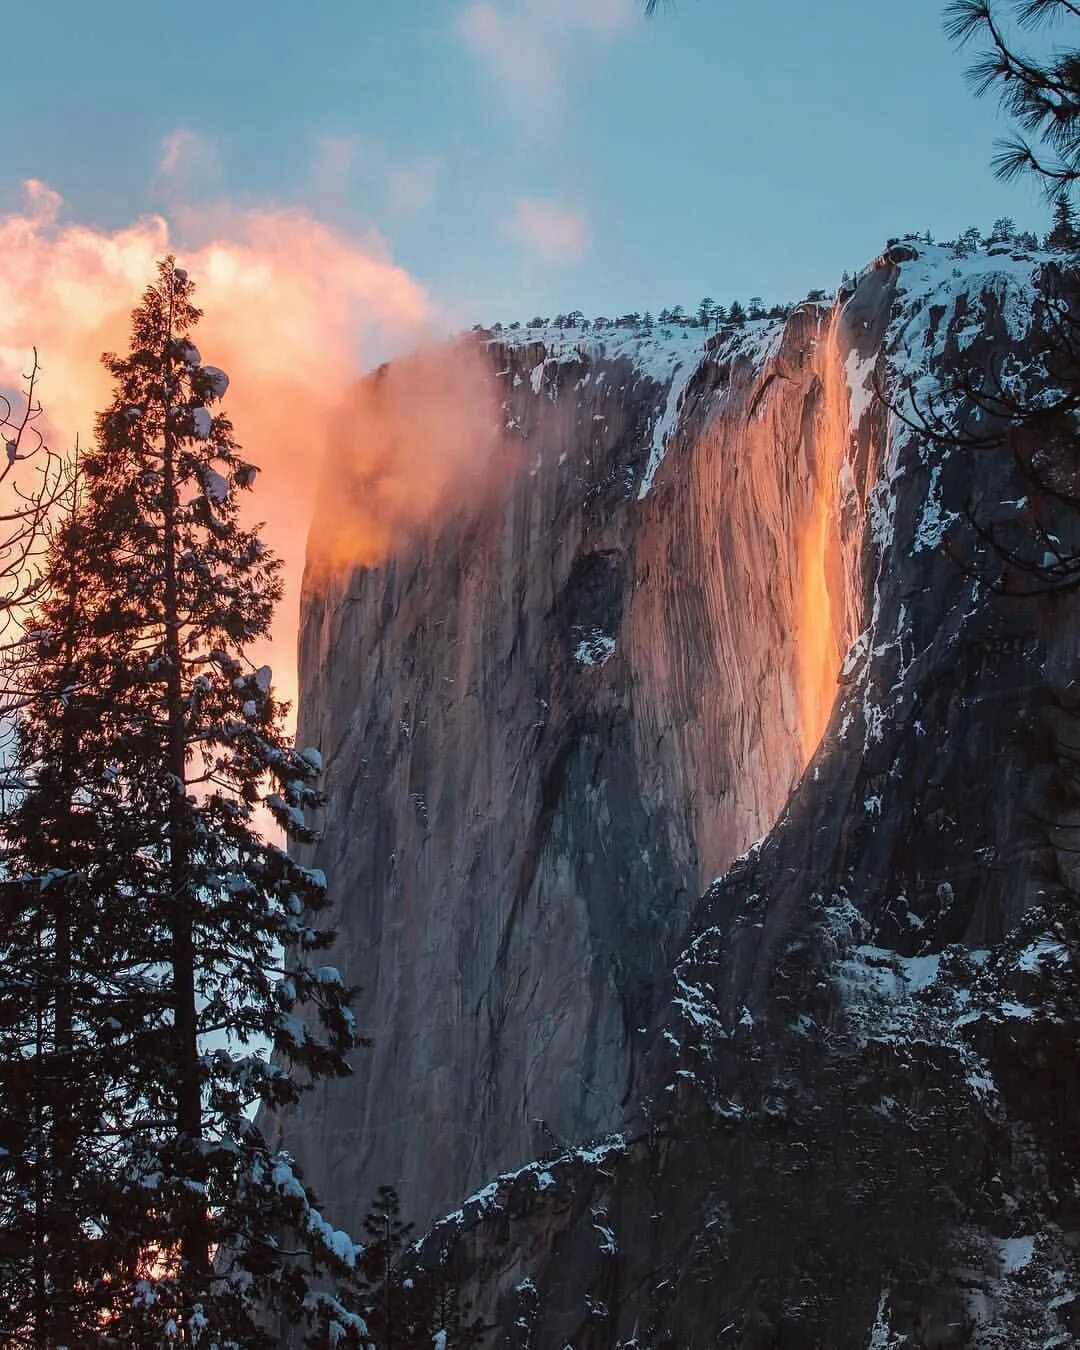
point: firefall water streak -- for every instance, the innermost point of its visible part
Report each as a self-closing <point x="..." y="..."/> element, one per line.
<point x="821" y="619"/>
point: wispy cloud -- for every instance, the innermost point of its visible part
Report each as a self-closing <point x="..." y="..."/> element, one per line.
<point x="606" y="17"/>
<point x="512" y="48"/>
<point x="343" y="165"/>
<point x="552" y="231"/>
<point x="188" y="163"/>
<point x="411" y="187"/>
<point x="43" y="205"/>
<point x="527" y="45"/>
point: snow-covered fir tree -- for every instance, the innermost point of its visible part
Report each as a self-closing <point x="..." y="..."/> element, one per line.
<point x="157" y="941"/>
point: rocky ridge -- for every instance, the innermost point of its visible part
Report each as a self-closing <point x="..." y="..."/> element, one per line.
<point x="832" y="1094"/>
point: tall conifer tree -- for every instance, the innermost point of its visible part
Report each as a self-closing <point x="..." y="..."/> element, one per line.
<point x="1063" y="233"/>
<point x="53" y="1092"/>
<point x="160" y="936"/>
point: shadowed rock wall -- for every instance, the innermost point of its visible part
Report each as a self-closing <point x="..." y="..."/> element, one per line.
<point x="550" y="724"/>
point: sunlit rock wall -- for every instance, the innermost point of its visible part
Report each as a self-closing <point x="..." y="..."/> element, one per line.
<point x="554" y="720"/>
<point x="856" y="1122"/>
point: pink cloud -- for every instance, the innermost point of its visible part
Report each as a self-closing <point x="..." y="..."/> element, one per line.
<point x="401" y="187"/>
<point x="334" y="158"/>
<point x="554" y="232"/>
<point x="411" y="187"/>
<point x="527" y="45"/>
<point x="188" y="161"/>
<point x="292" y="308"/>
<point x="43" y="205"/>
<point x="513" y="49"/>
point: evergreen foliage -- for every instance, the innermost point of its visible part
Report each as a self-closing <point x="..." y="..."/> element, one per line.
<point x="1063" y="235"/>
<point x="710" y="314"/>
<point x="1041" y="97"/>
<point x="407" y="1307"/>
<point x="153" y="939"/>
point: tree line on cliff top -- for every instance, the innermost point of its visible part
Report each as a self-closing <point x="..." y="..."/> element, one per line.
<point x="708" y="314"/>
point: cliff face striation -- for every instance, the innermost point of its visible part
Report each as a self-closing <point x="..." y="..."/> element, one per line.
<point x="826" y="1092"/>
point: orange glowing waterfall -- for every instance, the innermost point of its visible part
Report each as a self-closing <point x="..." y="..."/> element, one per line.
<point x="819" y="617"/>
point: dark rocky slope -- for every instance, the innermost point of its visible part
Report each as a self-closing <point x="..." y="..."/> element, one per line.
<point x="850" y="1118"/>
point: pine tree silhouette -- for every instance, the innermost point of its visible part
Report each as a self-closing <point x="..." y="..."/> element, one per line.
<point x="161" y="940"/>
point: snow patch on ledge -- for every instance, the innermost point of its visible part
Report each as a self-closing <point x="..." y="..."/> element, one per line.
<point x="1015" y="1253"/>
<point x="667" y="354"/>
<point x="756" y="342"/>
<point x="664" y="426"/>
<point x="886" y="973"/>
<point x="860" y="380"/>
<point x="594" y="648"/>
<point x="543" y="1175"/>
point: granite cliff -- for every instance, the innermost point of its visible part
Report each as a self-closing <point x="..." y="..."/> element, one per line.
<point x="824" y="1099"/>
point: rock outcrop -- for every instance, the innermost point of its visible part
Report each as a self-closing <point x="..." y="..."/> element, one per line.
<point x="829" y="1093"/>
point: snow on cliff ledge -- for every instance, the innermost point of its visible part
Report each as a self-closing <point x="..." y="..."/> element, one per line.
<point x="668" y="354"/>
<point x="934" y="285"/>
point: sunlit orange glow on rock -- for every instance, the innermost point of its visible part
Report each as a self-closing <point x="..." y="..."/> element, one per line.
<point x="820" y="639"/>
<point x="291" y="309"/>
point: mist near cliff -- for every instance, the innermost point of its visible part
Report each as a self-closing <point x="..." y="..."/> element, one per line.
<point x="417" y="439"/>
<point x="293" y="308"/>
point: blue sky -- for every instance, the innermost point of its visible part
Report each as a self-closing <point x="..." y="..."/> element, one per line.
<point x="515" y="156"/>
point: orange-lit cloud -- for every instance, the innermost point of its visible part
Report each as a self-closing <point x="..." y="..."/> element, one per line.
<point x="417" y="438"/>
<point x="527" y="45"/>
<point x="293" y="308"/>
<point x="553" y="232"/>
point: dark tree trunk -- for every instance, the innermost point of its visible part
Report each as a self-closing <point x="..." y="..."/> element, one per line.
<point x="194" y="1238"/>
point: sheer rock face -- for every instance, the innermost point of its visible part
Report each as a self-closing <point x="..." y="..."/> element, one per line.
<point x="547" y="726"/>
<point x="847" y="1119"/>
<point x="856" y="1121"/>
